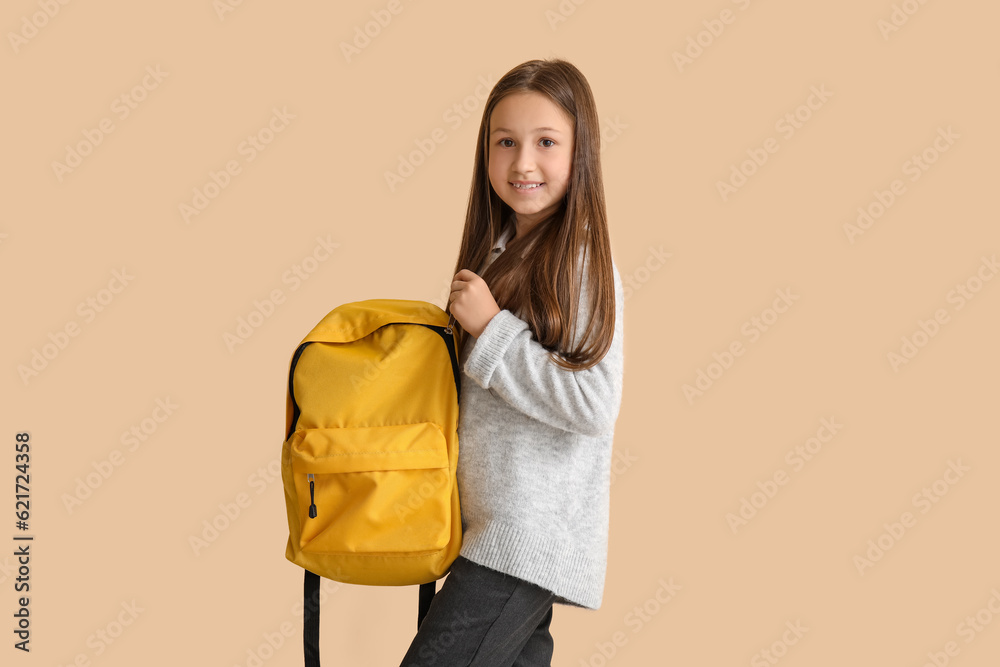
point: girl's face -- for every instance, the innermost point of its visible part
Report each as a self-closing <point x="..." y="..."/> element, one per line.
<point x="530" y="144"/>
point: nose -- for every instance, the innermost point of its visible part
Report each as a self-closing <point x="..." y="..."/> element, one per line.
<point x="524" y="160"/>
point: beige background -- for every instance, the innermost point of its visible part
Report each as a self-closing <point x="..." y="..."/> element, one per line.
<point x="671" y="135"/>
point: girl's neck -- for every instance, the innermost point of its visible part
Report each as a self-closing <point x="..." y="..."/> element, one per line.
<point x="521" y="228"/>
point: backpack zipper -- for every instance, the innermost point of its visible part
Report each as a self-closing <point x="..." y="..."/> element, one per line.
<point x="312" y="497"/>
<point x="448" y="335"/>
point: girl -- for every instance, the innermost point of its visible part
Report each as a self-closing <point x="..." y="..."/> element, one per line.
<point x="539" y="335"/>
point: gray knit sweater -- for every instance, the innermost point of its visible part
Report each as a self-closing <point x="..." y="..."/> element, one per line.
<point x="534" y="459"/>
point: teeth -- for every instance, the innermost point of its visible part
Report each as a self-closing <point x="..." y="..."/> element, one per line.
<point x="526" y="187"/>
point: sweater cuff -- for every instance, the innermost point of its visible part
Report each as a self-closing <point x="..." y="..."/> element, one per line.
<point x="491" y="345"/>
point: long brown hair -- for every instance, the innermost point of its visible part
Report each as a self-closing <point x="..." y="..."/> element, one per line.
<point x="543" y="288"/>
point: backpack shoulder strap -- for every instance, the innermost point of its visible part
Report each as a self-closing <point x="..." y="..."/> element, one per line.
<point x="310" y="614"/>
<point x="310" y="619"/>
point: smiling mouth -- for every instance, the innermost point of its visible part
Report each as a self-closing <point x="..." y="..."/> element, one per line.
<point x="527" y="186"/>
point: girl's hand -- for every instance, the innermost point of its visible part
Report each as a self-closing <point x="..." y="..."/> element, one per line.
<point x="472" y="303"/>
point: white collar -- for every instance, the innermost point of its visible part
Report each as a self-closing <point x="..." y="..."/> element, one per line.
<point x="505" y="235"/>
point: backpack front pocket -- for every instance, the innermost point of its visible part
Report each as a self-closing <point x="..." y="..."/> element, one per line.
<point x="374" y="489"/>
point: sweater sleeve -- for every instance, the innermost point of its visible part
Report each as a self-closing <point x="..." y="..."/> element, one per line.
<point x="507" y="360"/>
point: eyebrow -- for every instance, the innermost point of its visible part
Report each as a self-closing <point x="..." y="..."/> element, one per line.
<point x="537" y="129"/>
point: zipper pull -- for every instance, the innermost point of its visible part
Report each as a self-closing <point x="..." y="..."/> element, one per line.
<point x="451" y="323"/>
<point x="312" y="497"/>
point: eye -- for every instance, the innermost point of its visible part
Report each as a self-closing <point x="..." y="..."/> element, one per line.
<point x="503" y="140"/>
<point x="550" y="141"/>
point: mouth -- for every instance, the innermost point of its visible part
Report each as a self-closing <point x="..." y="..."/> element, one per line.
<point x="526" y="186"/>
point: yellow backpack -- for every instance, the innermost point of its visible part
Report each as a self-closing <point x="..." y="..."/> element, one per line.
<point x="371" y="452"/>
